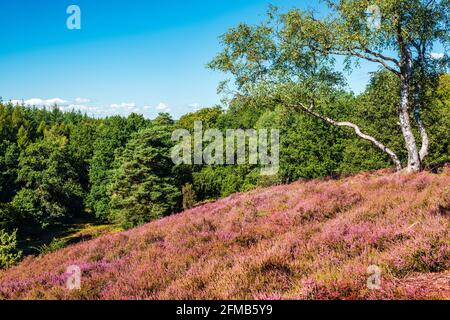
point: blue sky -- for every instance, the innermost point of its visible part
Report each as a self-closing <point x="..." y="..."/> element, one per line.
<point x="142" y="56"/>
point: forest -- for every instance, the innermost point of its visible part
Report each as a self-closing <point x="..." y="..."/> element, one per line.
<point x="59" y="169"/>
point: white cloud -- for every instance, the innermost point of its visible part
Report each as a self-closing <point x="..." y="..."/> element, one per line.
<point x="85" y="105"/>
<point x="42" y="102"/>
<point x="58" y="101"/>
<point x="79" y="104"/>
<point x="80" y="107"/>
<point x="82" y="100"/>
<point x="196" y="106"/>
<point x="35" y="102"/>
<point x="49" y="102"/>
<point x="162" y="107"/>
<point x="124" y="109"/>
<point x="14" y="102"/>
<point x="123" y="105"/>
<point x="437" y="56"/>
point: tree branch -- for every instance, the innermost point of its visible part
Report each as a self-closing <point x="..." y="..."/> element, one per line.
<point x="382" y="56"/>
<point x="357" y="130"/>
<point x="368" y="58"/>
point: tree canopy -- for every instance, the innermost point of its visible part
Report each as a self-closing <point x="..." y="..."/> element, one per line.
<point x="291" y="57"/>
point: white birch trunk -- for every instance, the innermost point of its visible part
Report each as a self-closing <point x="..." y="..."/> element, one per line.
<point x="414" y="164"/>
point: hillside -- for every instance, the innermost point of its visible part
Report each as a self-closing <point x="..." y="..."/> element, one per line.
<point x="307" y="240"/>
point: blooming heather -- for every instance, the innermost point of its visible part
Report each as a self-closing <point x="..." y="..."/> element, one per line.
<point x="307" y="240"/>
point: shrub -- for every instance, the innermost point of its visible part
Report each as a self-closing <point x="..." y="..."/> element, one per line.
<point x="188" y="196"/>
<point x="9" y="254"/>
<point x="9" y="218"/>
<point x="54" y="245"/>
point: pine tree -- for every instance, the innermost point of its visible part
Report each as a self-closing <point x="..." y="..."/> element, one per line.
<point x="143" y="188"/>
<point x="112" y="137"/>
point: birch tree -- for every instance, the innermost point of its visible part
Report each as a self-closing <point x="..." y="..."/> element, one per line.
<point x="297" y="50"/>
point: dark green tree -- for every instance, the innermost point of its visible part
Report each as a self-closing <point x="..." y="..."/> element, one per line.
<point x="113" y="134"/>
<point x="143" y="187"/>
<point x="82" y="137"/>
<point x="9" y="154"/>
<point x="50" y="191"/>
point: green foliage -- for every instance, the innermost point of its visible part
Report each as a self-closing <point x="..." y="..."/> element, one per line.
<point x="54" y="245"/>
<point x="289" y="58"/>
<point x="310" y="148"/>
<point x="143" y="188"/>
<point x="244" y="112"/>
<point x="9" y="217"/>
<point x="9" y="255"/>
<point x="437" y="117"/>
<point x="81" y="148"/>
<point x="163" y="119"/>
<point x="23" y="139"/>
<point x="50" y="189"/>
<point x="213" y="182"/>
<point x="112" y="137"/>
<point x="375" y="112"/>
<point x="9" y="153"/>
<point x="208" y="117"/>
<point x="188" y="196"/>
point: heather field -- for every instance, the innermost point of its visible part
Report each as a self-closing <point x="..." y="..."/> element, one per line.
<point x="307" y="240"/>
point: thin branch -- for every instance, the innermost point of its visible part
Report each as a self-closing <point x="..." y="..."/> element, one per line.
<point x="357" y="130"/>
<point x="429" y="3"/>
<point x="382" y="62"/>
<point x="382" y="56"/>
<point x="365" y="57"/>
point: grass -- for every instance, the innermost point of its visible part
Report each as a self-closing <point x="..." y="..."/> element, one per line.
<point x="79" y="229"/>
<point x="307" y="240"/>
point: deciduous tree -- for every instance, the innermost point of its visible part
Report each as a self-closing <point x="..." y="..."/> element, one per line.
<point x="296" y="50"/>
